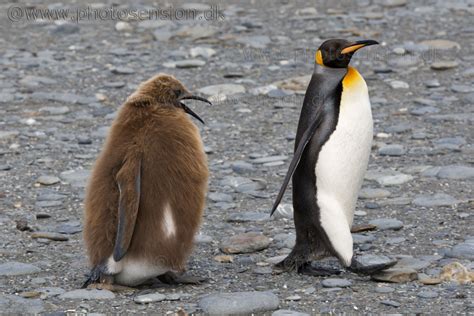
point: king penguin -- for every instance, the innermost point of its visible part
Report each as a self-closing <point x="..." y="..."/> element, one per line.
<point x="332" y="148"/>
<point x="145" y="198"/>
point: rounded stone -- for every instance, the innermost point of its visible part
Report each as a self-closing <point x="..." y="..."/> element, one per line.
<point x="336" y="283"/>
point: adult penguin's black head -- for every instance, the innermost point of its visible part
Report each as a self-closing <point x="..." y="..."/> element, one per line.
<point x="337" y="53"/>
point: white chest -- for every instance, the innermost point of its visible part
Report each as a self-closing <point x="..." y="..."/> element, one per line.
<point x="342" y="163"/>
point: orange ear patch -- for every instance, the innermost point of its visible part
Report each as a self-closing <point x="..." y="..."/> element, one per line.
<point x="319" y="58"/>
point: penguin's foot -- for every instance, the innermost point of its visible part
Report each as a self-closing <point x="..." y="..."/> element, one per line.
<point x="172" y="278"/>
<point x="96" y="275"/>
<point x="358" y="268"/>
<point x="315" y="269"/>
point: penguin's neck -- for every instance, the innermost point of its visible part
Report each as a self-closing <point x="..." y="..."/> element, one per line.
<point x="353" y="80"/>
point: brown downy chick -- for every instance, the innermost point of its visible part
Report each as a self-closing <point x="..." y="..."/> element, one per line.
<point x="146" y="195"/>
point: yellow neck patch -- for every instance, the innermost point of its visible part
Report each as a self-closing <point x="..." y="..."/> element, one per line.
<point x="352" y="78"/>
<point x="319" y="58"/>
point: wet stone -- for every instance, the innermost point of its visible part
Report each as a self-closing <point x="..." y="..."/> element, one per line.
<point x="239" y="303"/>
<point x="48" y="180"/>
<point x="123" y="71"/>
<point x="441" y="44"/>
<point x="16" y="305"/>
<point x="85" y="294"/>
<point x="427" y="294"/>
<point x="17" y="268"/>
<point x="50" y="236"/>
<point x="264" y="160"/>
<point x="65" y="29"/>
<point x="336" y="283"/>
<point x="444" y="65"/>
<point x="44" y="204"/>
<point x="433" y="83"/>
<point x="396" y="179"/>
<point x="244" y="243"/>
<point x="220" y="197"/>
<point x="77" y="178"/>
<point x="373" y="193"/>
<point x="437" y="199"/>
<point x="392" y="150"/>
<point x="384" y="289"/>
<point x="257" y="41"/>
<point x="463" y="250"/>
<point x="55" y="110"/>
<point x="51" y="291"/>
<point x="358" y="239"/>
<point x="69" y="228"/>
<point x="149" y="298"/>
<point x="50" y="196"/>
<point x="456" y="172"/>
<point x="242" y="167"/>
<point x="243" y="217"/>
<point x="387" y="224"/>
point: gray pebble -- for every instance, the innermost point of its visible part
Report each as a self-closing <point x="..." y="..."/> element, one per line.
<point x="239" y="303"/>
<point x="220" y="197"/>
<point x="463" y="250"/>
<point x="149" y="298"/>
<point x="437" y="199"/>
<point x="17" y="268"/>
<point x="392" y="150"/>
<point x="48" y="180"/>
<point x="384" y="289"/>
<point x="242" y="217"/>
<point x="427" y="294"/>
<point x="387" y="224"/>
<point x="336" y="283"/>
<point x="85" y="294"/>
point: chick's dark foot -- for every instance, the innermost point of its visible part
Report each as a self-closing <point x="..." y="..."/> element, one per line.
<point x="98" y="274"/>
<point x="359" y="268"/>
<point x="172" y="278"/>
<point x="314" y="269"/>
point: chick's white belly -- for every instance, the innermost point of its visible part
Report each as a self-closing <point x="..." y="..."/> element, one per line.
<point x="132" y="272"/>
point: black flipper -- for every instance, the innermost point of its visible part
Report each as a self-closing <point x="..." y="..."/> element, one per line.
<point x="308" y="134"/>
<point x="129" y="182"/>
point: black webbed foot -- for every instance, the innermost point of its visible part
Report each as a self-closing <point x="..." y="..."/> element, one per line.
<point x="96" y="274"/>
<point x="358" y="268"/>
<point x="172" y="278"/>
<point x="315" y="269"/>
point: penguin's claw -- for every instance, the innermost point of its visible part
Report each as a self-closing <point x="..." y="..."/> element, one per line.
<point x="96" y="275"/>
<point x="311" y="269"/>
<point x="358" y="268"/>
<point x="173" y="279"/>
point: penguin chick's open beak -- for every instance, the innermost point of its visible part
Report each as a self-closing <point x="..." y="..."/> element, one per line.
<point x="359" y="44"/>
<point x="188" y="110"/>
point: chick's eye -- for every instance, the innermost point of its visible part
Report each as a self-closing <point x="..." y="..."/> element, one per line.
<point x="177" y="92"/>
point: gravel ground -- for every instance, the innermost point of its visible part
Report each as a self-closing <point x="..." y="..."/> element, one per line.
<point x="62" y="83"/>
